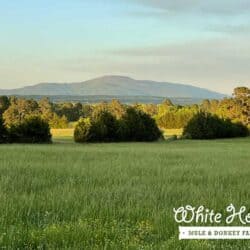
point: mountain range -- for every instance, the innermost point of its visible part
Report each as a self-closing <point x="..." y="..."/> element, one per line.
<point x="115" y="86"/>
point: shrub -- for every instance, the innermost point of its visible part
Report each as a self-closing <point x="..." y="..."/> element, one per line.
<point x="3" y="131"/>
<point x="32" y="130"/>
<point x="207" y="126"/>
<point x="101" y="127"/>
<point x="82" y="130"/>
<point x="236" y="129"/>
<point x="138" y="126"/>
<point x="104" y="127"/>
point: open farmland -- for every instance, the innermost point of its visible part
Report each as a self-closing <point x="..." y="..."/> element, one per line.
<point x="116" y="196"/>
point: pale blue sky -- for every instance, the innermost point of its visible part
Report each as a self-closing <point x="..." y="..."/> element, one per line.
<point x="203" y="43"/>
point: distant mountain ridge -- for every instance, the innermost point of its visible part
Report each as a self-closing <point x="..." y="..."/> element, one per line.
<point x="115" y="86"/>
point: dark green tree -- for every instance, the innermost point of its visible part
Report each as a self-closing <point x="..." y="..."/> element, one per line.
<point x="3" y="131"/>
<point x="139" y="126"/>
<point x="32" y="129"/>
<point x="4" y="104"/>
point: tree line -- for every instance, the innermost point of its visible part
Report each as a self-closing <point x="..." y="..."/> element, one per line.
<point x="97" y="120"/>
<point x="167" y="115"/>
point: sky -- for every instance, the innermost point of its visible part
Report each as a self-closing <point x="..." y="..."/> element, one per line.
<point x="196" y="42"/>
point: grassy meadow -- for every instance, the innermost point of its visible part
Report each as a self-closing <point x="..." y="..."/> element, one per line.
<point x="116" y="196"/>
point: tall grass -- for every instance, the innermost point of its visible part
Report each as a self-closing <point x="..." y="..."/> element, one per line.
<point x="116" y="196"/>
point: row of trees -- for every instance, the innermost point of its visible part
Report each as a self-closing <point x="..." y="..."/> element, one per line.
<point x="166" y="114"/>
<point x="236" y="109"/>
<point x="16" y="110"/>
<point x="134" y="125"/>
<point x="30" y="123"/>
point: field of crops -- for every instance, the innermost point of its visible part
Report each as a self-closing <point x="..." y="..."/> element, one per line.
<point x="116" y="196"/>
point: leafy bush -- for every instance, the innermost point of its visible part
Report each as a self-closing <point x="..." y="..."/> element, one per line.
<point x="101" y="127"/>
<point x="139" y="126"/>
<point x="207" y="126"/>
<point x="104" y="127"/>
<point x="134" y="125"/>
<point x="32" y="130"/>
<point x="82" y="130"/>
<point x="3" y="131"/>
<point x="236" y="129"/>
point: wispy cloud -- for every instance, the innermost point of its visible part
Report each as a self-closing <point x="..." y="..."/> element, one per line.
<point x="229" y="7"/>
<point x="236" y="29"/>
<point x="201" y="48"/>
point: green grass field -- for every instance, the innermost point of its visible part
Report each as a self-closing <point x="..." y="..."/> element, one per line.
<point x="116" y="196"/>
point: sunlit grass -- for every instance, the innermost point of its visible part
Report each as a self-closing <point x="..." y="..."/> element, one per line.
<point x="171" y="132"/>
<point x="62" y="133"/>
<point x="116" y="196"/>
